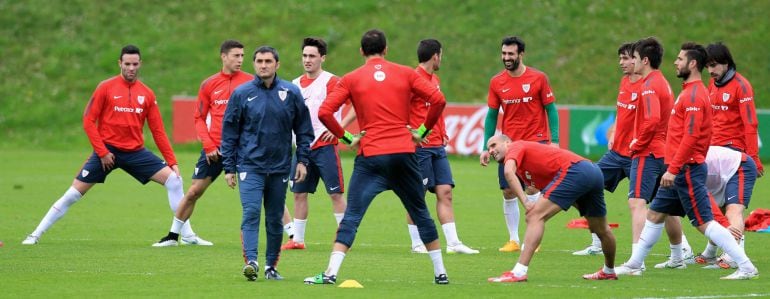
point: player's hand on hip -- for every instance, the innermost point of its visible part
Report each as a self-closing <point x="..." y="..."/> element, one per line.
<point x="484" y="158"/>
<point x="108" y="161"/>
<point x="327" y="136"/>
<point x="667" y="181"/>
<point x="212" y="156"/>
<point x="356" y="142"/>
<point x="300" y="173"/>
<point x="230" y="180"/>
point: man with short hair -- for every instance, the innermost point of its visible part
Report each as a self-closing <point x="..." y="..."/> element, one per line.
<point x="386" y="159"/>
<point x="210" y="106"/>
<point x="257" y="129"/>
<point x="114" y="120"/>
<point x="682" y="188"/>
<point x="566" y="180"/>
<point x="616" y="163"/>
<point x="432" y="158"/>
<point x="529" y="113"/>
<point x="324" y="162"/>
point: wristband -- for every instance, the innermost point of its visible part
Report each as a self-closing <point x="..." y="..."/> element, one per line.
<point x="347" y="138"/>
<point x="422" y="131"/>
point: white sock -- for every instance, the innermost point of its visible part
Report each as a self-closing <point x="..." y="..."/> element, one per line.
<point x="722" y="238"/>
<point x="289" y="229"/>
<point x="648" y="238"/>
<point x="595" y="241"/>
<point x="519" y="270"/>
<point x="187" y="230"/>
<point x="533" y="197"/>
<point x="710" y="251"/>
<point x="438" y="262"/>
<point x="450" y="232"/>
<point x="176" y="226"/>
<point x="608" y="270"/>
<point x="57" y="210"/>
<point x="299" y="230"/>
<point x="685" y="245"/>
<point x="338" y="217"/>
<point x="174" y="189"/>
<point x="335" y="261"/>
<point x="742" y="241"/>
<point x="414" y="234"/>
<point x="676" y="251"/>
<point x="511" y="213"/>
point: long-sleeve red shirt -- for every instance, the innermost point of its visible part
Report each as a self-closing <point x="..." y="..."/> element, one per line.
<point x="380" y="92"/>
<point x="116" y="114"/>
<point x="628" y="100"/>
<point x="735" y="116"/>
<point x="652" y="116"/>
<point x="211" y="103"/>
<point x="438" y="136"/>
<point x="689" y="127"/>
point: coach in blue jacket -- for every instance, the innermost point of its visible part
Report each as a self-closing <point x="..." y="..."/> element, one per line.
<point x="256" y="149"/>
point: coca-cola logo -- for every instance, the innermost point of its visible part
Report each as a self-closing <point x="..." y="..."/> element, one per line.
<point x="465" y="127"/>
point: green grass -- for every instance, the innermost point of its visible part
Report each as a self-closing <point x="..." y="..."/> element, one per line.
<point x="56" y="52"/>
<point x="101" y="248"/>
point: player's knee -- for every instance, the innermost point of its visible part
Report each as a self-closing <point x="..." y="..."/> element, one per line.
<point x="173" y="182"/>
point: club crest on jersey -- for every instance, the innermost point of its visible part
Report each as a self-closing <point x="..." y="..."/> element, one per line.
<point x="525" y="87"/>
<point x="140" y="99"/>
<point x="633" y="96"/>
<point x="242" y="175"/>
<point x="379" y="76"/>
<point x="725" y="97"/>
<point x="84" y="173"/>
<point x="282" y="94"/>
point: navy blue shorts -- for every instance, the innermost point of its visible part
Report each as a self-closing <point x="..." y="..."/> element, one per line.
<point x="645" y="177"/>
<point x="204" y="169"/>
<point x="324" y="164"/>
<point x="582" y="186"/>
<point x="615" y="167"/>
<point x="434" y="166"/>
<point x="741" y="184"/>
<point x="141" y="164"/>
<point x="688" y="196"/>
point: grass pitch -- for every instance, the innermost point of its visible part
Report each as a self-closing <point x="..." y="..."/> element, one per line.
<point x="101" y="248"/>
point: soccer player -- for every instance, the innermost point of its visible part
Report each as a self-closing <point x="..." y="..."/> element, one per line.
<point x="257" y="129"/>
<point x="730" y="180"/>
<point x="212" y="100"/>
<point x="113" y="120"/>
<point x="682" y="188"/>
<point x="732" y="99"/>
<point x="432" y="158"/>
<point x="565" y="179"/>
<point x="529" y="113"/>
<point x="386" y="159"/>
<point x="324" y="161"/>
<point x="616" y="163"/>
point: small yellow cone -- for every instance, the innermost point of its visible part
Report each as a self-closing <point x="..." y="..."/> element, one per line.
<point x="350" y="283"/>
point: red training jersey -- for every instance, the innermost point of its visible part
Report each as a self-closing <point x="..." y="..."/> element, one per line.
<point x="523" y="99"/>
<point x="116" y="114"/>
<point x="652" y="116"/>
<point x="735" y="116"/>
<point x="438" y="136"/>
<point x="304" y="82"/>
<point x="211" y="104"/>
<point x="537" y="164"/>
<point x="624" y="121"/>
<point x="689" y="128"/>
<point x="380" y="92"/>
